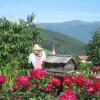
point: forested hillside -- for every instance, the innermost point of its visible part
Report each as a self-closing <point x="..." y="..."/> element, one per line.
<point x="63" y="43"/>
<point x="77" y="29"/>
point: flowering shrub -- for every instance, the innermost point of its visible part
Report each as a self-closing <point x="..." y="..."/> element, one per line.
<point x="38" y="85"/>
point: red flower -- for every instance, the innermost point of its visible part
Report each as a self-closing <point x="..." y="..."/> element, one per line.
<point x="96" y="85"/>
<point x="68" y="94"/>
<point x="23" y="81"/>
<point x="80" y="81"/>
<point x="94" y="68"/>
<point x="55" y="81"/>
<point x="2" y="79"/>
<point x="38" y="73"/>
<point x="68" y="80"/>
<point x="48" y="88"/>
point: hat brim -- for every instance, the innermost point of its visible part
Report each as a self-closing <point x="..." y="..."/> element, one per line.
<point x="37" y="49"/>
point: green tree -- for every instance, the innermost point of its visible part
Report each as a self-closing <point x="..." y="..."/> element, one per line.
<point x="16" y="40"/>
<point x="92" y="49"/>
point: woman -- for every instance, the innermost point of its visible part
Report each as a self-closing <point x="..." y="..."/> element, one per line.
<point x="37" y="56"/>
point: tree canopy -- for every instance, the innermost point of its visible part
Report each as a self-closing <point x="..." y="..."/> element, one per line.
<point x="16" y="40"/>
<point x="93" y="48"/>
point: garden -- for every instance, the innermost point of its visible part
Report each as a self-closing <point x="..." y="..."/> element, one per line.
<point x="18" y="81"/>
<point x="29" y="84"/>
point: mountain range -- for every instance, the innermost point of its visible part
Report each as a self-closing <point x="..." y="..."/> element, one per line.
<point x="77" y="29"/>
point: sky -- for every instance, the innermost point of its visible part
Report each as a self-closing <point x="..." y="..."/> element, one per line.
<point x="51" y="10"/>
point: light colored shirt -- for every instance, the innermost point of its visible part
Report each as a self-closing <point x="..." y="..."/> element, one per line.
<point x="36" y="60"/>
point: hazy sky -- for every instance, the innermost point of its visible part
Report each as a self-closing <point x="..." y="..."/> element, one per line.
<point x="51" y="10"/>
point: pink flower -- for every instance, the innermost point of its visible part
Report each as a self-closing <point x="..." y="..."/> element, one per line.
<point x="68" y="94"/>
<point x="23" y="81"/>
<point x="2" y="79"/>
<point x="97" y="93"/>
<point x="90" y="87"/>
<point x="38" y="73"/>
<point x="15" y="88"/>
<point x="80" y="81"/>
<point x="90" y="90"/>
<point x="93" y="76"/>
<point x="55" y="81"/>
<point x="98" y="77"/>
<point x="48" y="88"/>
<point x="89" y="83"/>
<point x="68" y="80"/>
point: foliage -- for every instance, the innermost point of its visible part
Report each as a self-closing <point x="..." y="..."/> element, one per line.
<point x="92" y="49"/>
<point x="16" y="40"/>
<point x="83" y="66"/>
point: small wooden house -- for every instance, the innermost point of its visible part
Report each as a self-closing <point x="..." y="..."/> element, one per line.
<point x="60" y="64"/>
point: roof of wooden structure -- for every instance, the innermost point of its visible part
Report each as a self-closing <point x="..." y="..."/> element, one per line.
<point x="86" y="58"/>
<point x="58" y="58"/>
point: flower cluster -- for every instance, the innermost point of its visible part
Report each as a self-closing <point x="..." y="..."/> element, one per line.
<point x="68" y="80"/>
<point x="37" y="73"/>
<point x="22" y="81"/>
<point x="95" y="68"/>
<point x="68" y="94"/>
<point x="55" y="82"/>
<point x="2" y="79"/>
<point x="96" y="85"/>
<point x="80" y="81"/>
<point x="48" y="88"/>
<point x="93" y="87"/>
<point x="89" y="85"/>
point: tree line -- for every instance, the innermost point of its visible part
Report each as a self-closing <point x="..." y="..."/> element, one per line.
<point x="16" y="40"/>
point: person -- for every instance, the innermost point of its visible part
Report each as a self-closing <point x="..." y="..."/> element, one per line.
<point x="37" y="57"/>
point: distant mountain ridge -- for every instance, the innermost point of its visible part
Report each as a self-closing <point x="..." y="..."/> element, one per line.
<point x="77" y="29"/>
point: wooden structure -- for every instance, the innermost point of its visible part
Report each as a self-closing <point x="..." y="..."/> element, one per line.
<point x="59" y="65"/>
<point x="84" y="59"/>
